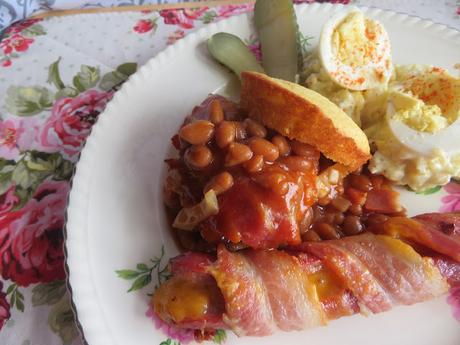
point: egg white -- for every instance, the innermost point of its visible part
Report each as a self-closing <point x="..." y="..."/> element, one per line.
<point x="363" y="77"/>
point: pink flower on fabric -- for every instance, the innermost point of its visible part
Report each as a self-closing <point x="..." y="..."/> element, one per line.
<point x="181" y="17"/>
<point x="144" y="25"/>
<point x="229" y="10"/>
<point x="185" y="336"/>
<point x="8" y="200"/>
<point x="4" y="307"/>
<point x="15" y="135"/>
<point x="6" y="63"/>
<point x="15" y="43"/>
<point x="71" y="121"/>
<point x="31" y="238"/>
<point x="454" y="301"/>
<point x="451" y="202"/>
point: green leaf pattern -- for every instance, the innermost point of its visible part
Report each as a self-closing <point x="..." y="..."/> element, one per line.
<point x="87" y="78"/>
<point x="113" y="80"/>
<point x="62" y="321"/>
<point x="48" y="293"/>
<point x="220" y="337"/>
<point x="27" y="101"/>
<point x="142" y="275"/>
<point x="16" y="297"/>
<point x="53" y="75"/>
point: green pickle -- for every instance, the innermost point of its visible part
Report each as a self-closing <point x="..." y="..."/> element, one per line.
<point x="278" y="32"/>
<point x="231" y="51"/>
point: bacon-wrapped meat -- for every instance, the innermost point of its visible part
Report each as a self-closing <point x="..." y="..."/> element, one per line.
<point x="439" y="232"/>
<point x="257" y="292"/>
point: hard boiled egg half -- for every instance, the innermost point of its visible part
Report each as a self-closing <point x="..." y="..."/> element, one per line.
<point x="355" y="51"/>
<point x="417" y="141"/>
<point x="424" y="109"/>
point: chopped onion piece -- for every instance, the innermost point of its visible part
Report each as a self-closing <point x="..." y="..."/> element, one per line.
<point x="330" y="178"/>
<point x="189" y="217"/>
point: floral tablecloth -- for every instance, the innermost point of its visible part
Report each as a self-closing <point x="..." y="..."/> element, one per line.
<point x="56" y="76"/>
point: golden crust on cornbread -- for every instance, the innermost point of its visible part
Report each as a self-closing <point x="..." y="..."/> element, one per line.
<point x="300" y="113"/>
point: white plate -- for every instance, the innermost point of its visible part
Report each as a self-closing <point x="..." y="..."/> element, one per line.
<point x="116" y="217"/>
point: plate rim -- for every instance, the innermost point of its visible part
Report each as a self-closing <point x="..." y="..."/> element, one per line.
<point x="155" y="62"/>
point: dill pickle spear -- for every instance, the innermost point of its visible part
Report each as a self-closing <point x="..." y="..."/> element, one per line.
<point x="231" y="51"/>
<point x="277" y="27"/>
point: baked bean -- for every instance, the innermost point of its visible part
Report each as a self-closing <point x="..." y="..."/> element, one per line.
<point x="220" y="183"/>
<point x="318" y="213"/>
<point x="333" y="217"/>
<point x="296" y="163"/>
<point x="282" y="144"/>
<point x="339" y="218"/>
<point x="225" y="133"/>
<point x="310" y="236"/>
<point x="273" y="181"/>
<point x="241" y="132"/>
<point x="356" y="209"/>
<point x="352" y="225"/>
<point x="360" y="182"/>
<point x="341" y="204"/>
<point x="376" y="219"/>
<point x="198" y="132"/>
<point x="329" y="217"/>
<point x="302" y="149"/>
<point x="255" y="129"/>
<point x="237" y="153"/>
<point x="198" y="156"/>
<point x="265" y="148"/>
<point x="217" y="113"/>
<point x="255" y="164"/>
<point x="327" y="231"/>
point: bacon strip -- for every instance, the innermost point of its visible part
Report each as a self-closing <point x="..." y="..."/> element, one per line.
<point x="428" y="231"/>
<point x="353" y="274"/>
<point x="404" y="275"/>
<point x="247" y="306"/>
<point x="447" y="223"/>
<point x="293" y="299"/>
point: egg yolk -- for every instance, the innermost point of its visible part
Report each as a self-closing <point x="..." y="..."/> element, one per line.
<point x="425" y="98"/>
<point x="436" y="87"/>
<point x="416" y="114"/>
<point x="354" y="40"/>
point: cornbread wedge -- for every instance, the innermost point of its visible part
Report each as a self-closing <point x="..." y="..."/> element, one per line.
<point x="302" y="114"/>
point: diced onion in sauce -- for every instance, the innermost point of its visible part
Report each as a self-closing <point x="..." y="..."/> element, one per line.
<point x="189" y="217"/>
